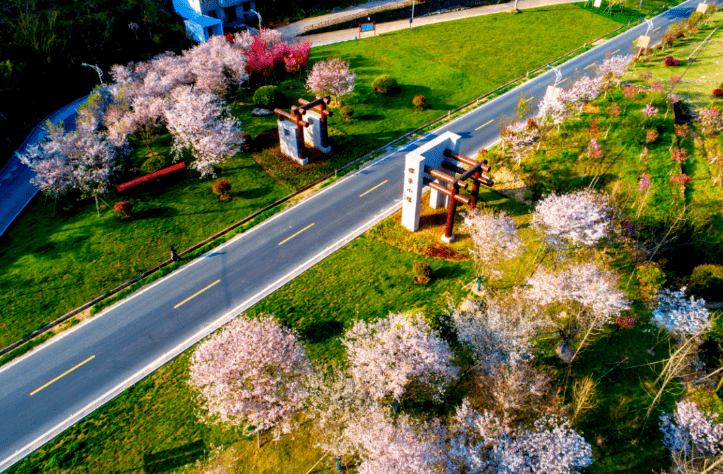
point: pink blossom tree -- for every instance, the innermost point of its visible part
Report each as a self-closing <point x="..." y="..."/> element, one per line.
<point x="494" y="238"/>
<point x="578" y="301"/>
<point x="251" y="374"/>
<point x="48" y="160"/>
<point x="148" y="114"/>
<point x="331" y="77"/>
<point x="520" y="137"/>
<point x="203" y="127"/>
<point x="552" y="110"/>
<point x="297" y="57"/>
<point x="612" y="70"/>
<point x="580" y="219"/>
<point x="399" y="356"/>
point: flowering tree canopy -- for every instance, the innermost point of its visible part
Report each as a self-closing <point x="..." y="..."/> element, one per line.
<point x="690" y="432"/>
<point x="580" y="218"/>
<point x="681" y="316"/>
<point x="251" y="374"/>
<point x="499" y="331"/>
<point x="494" y="237"/>
<point x="612" y="69"/>
<point x="332" y="78"/>
<point x="393" y="354"/>
<point x="203" y="127"/>
<point x="520" y="137"/>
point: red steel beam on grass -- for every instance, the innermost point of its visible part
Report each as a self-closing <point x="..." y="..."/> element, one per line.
<point x="143" y="179"/>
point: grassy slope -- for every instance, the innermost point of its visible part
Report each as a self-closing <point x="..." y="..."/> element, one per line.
<point x="52" y="264"/>
<point x="699" y="77"/>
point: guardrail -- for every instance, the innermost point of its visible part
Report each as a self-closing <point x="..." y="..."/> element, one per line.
<point x="283" y="200"/>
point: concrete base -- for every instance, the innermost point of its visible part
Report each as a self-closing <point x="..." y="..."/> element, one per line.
<point x="302" y="162"/>
<point x="447" y="240"/>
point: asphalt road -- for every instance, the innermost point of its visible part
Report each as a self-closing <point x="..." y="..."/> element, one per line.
<point x="48" y="390"/>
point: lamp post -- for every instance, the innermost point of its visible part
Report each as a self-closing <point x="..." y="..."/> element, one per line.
<point x="558" y="74"/>
<point x="411" y="19"/>
<point x="258" y="15"/>
<point x="97" y="69"/>
<point x="649" y="23"/>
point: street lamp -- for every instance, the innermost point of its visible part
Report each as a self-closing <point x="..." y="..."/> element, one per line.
<point x="649" y="23"/>
<point x="558" y="74"/>
<point x="97" y="69"/>
<point x="411" y="19"/>
<point x="258" y="15"/>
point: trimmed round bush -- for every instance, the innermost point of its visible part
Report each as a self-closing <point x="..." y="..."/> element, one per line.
<point x="419" y="101"/>
<point x="346" y="111"/>
<point x="385" y="84"/>
<point x="267" y="97"/>
<point x="671" y="61"/>
<point x="155" y="163"/>
<point x="706" y="282"/>
<point x="422" y="271"/>
<point x="718" y="93"/>
<point x="123" y="208"/>
<point x="221" y="187"/>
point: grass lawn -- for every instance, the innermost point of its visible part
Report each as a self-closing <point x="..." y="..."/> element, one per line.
<point x="50" y="264"/>
<point x="449" y="63"/>
<point x="700" y="76"/>
<point x="153" y="423"/>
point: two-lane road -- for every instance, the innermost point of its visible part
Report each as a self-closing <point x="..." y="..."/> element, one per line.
<point x="48" y="390"/>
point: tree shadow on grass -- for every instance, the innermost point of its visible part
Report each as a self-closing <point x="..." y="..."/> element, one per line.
<point x="172" y="458"/>
<point x="321" y="331"/>
<point x="254" y="193"/>
<point x="161" y="211"/>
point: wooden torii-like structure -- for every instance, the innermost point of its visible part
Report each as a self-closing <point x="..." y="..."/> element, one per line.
<point x="454" y="184"/>
<point x="297" y="116"/>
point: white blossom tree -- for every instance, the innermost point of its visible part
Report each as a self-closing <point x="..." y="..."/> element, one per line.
<point x="251" y="374"/>
<point x="331" y="77"/>
<point x="552" y="110"/>
<point x="520" y="137"/>
<point x="399" y="356"/>
<point x="499" y="331"/>
<point x="494" y="238"/>
<point x="612" y="70"/>
<point x="203" y="127"/>
<point x="579" y="301"/>
<point x="399" y="445"/>
<point x="692" y="436"/>
<point x="581" y="219"/>
<point x="680" y="316"/>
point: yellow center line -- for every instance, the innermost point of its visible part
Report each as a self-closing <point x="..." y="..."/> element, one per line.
<point x="614" y="52"/>
<point x="62" y="375"/>
<point x="484" y="125"/>
<point x="657" y="29"/>
<point x="196" y="294"/>
<point x="302" y="230"/>
<point x="561" y="81"/>
<point x="361" y="195"/>
<point x="527" y="100"/>
<point x="588" y="67"/>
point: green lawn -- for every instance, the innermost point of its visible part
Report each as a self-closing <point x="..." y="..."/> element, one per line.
<point x="50" y="264"/>
<point x="699" y="76"/>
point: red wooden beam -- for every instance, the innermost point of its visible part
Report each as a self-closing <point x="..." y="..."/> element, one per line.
<point x="143" y="179"/>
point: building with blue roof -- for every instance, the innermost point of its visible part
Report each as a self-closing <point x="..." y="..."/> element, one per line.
<point x="205" y="18"/>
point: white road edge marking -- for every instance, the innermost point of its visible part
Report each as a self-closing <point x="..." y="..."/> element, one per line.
<point x="201" y="334"/>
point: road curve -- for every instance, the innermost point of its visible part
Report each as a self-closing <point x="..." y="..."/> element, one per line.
<point x="48" y="390"/>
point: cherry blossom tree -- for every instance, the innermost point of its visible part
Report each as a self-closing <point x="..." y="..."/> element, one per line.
<point x="495" y="238"/>
<point x="48" y="160"/>
<point x="331" y="77"/>
<point x="612" y="70"/>
<point x="202" y="126"/>
<point x="499" y="331"/>
<point x="399" y="445"/>
<point x="148" y="114"/>
<point x="481" y="443"/>
<point x="333" y="404"/>
<point x="594" y="150"/>
<point x="215" y="64"/>
<point x="399" y="356"/>
<point x="579" y="301"/>
<point x="680" y="316"/>
<point x="552" y="110"/>
<point x="583" y="91"/>
<point x="251" y="374"/>
<point x="580" y="219"/>
<point x="692" y="436"/>
<point x="520" y="137"/>
<point x="297" y="57"/>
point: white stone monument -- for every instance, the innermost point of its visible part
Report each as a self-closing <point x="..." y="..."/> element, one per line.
<point x="289" y="141"/>
<point x="430" y="154"/>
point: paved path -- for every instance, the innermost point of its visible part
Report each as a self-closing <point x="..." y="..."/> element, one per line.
<point x="51" y="388"/>
<point x="322" y="39"/>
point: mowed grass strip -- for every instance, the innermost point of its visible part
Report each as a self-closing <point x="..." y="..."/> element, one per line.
<point x="52" y="262"/>
<point x="153" y="425"/>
